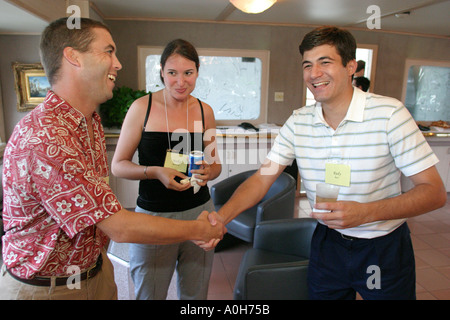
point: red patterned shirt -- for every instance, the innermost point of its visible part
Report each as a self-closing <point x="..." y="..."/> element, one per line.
<point x="54" y="191"/>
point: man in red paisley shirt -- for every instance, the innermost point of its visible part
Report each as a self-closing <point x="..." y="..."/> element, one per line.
<point x="58" y="209"/>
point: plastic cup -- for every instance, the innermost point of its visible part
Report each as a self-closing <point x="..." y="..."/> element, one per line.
<point x="326" y="192"/>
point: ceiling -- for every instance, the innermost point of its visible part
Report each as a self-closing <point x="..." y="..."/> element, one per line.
<point x="430" y="17"/>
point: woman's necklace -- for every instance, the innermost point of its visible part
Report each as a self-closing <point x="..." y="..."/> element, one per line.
<point x="174" y="159"/>
<point x="167" y="118"/>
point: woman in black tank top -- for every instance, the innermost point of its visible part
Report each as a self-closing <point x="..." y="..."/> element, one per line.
<point x="169" y="120"/>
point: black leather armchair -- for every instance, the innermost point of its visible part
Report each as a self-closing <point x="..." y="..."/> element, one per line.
<point x="277" y="265"/>
<point x="278" y="203"/>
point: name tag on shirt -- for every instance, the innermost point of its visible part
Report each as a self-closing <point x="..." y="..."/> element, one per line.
<point x="176" y="161"/>
<point x="338" y="174"/>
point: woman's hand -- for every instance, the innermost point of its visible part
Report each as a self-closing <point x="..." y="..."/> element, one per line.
<point x="167" y="177"/>
<point x="203" y="174"/>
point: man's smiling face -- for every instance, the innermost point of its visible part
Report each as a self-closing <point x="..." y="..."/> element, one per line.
<point x="325" y="75"/>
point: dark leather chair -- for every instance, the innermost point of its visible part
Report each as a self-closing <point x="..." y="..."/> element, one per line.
<point x="278" y="203"/>
<point x="277" y="265"/>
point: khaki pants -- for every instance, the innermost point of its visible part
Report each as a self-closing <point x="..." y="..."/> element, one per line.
<point x="100" y="287"/>
<point x="152" y="266"/>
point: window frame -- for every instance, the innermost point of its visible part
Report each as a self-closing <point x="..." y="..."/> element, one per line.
<point x="419" y="62"/>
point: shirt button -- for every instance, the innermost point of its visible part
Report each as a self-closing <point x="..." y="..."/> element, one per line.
<point x="334" y="141"/>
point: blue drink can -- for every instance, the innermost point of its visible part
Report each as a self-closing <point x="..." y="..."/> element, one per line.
<point x="194" y="157"/>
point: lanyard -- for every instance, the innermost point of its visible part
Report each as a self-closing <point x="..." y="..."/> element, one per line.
<point x="167" y="120"/>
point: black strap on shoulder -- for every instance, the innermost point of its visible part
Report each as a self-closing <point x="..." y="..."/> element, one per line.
<point x="148" y="110"/>
<point x="150" y="106"/>
<point x="203" y="116"/>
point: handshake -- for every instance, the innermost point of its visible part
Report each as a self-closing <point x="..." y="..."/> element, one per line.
<point x="214" y="229"/>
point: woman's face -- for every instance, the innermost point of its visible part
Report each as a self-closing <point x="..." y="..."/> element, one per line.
<point x="180" y="75"/>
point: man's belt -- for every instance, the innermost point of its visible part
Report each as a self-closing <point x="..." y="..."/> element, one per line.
<point x="61" y="281"/>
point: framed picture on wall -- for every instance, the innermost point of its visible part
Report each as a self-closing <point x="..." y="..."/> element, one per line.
<point x="31" y="85"/>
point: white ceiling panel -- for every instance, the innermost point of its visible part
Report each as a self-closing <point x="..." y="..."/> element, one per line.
<point x="173" y="9"/>
<point x="429" y="20"/>
<point x="15" y="20"/>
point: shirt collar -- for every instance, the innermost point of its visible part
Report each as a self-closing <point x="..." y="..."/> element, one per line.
<point x="355" y="110"/>
<point x="357" y="105"/>
<point x="64" y="111"/>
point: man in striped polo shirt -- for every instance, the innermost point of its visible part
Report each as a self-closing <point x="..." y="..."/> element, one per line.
<point x="364" y="141"/>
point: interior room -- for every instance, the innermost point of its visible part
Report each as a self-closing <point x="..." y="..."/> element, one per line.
<point x="406" y="46"/>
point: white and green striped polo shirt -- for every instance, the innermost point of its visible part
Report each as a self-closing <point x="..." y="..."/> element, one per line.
<point x="378" y="139"/>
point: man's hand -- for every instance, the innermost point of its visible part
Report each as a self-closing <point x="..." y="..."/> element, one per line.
<point x="215" y="229"/>
<point x="428" y="194"/>
<point x="344" y="214"/>
<point x="216" y="221"/>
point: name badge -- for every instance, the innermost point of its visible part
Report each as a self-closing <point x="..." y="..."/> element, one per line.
<point x="338" y="174"/>
<point x="176" y="161"/>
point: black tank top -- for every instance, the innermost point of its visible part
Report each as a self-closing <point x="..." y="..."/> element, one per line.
<point x="152" y="149"/>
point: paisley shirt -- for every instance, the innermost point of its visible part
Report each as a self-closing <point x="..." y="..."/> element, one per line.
<point x="55" y="191"/>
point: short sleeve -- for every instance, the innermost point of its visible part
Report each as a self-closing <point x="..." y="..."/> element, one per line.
<point x="412" y="153"/>
<point x="282" y="151"/>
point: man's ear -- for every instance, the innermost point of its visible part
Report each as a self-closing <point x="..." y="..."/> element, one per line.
<point x="71" y="56"/>
<point x="351" y="67"/>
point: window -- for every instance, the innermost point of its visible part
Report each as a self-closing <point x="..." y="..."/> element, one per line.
<point x="233" y="82"/>
<point x="365" y="52"/>
<point x="426" y="89"/>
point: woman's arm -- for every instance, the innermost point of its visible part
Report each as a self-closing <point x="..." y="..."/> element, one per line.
<point x="122" y="165"/>
<point x="212" y="166"/>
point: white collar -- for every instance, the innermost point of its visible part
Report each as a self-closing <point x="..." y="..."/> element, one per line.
<point x="355" y="110"/>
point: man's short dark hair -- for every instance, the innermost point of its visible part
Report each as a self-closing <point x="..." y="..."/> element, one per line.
<point x="57" y="36"/>
<point x="343" y="40"/>
<point x="362" y="82"/>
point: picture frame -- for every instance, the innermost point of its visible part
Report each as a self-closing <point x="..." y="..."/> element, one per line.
<point x="31" y="85"/>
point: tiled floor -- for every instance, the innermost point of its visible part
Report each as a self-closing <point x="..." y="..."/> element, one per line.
<point x="431" y="240"/>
